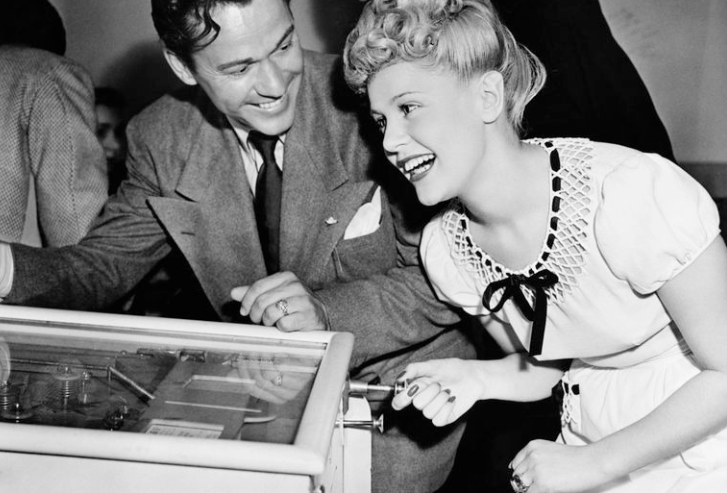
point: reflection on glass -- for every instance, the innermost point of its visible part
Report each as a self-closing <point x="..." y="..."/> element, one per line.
<point x="244" y="390"/>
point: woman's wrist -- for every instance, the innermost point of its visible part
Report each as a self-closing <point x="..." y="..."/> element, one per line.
<point x="489" y="375"/>
<point x="608" y="463"/>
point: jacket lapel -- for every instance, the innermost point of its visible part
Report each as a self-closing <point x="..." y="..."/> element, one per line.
<point x="319" y="198"/>
<point x="215" y="227"/>
<point x="319" y="201"/>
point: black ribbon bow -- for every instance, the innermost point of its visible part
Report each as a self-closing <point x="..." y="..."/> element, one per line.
<point x="536" y="313"/>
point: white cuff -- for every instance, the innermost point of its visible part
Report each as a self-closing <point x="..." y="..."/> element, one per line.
<point x="6" y="270"/>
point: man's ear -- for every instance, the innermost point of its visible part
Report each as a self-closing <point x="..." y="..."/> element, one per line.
<point x="491" y="89"/>
<point x="179" y="68"/>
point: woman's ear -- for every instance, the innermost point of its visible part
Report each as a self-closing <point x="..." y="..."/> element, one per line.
<point x="179" y="68"/>
<point x="491" y="89"/>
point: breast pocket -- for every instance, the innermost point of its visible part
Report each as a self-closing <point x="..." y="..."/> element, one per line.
<point x="366" y="255"/>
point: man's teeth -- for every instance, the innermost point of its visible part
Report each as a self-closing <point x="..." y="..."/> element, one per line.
<point x="271" y="105"/>
<point x="419" y="165"/>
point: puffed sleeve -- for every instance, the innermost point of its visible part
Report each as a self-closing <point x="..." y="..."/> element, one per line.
<point x="451" y="282"/>
<point x="653" y="221"/>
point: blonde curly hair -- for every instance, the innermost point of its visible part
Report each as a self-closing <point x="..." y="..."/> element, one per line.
<point x="465" y="37"/>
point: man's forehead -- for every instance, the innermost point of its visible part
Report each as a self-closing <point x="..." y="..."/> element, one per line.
<point x="253" y="28"/>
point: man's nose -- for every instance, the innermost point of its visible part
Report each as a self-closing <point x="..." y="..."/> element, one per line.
<point x="272" y="80"/>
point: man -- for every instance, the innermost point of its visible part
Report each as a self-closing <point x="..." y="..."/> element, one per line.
<point x="348" y="244"/>
<point x="110" y="131"/>
<point x="52" y="169"/>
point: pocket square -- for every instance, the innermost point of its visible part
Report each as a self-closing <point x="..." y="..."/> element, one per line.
<point x="367" y="218"/>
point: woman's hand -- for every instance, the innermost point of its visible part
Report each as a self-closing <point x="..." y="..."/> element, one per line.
<point x="549" y="467"/>
<point x="442" y="389"/>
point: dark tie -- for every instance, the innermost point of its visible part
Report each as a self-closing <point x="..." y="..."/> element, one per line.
<point x="268" y="191"/>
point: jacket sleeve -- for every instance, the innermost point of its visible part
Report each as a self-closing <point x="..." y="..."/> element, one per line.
<point x="68" y="162"/>
<point x="124" y="244"/>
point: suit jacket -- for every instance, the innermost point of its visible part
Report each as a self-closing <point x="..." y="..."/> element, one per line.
<point x="48" y="147"/>
<point x="187" y="191"/>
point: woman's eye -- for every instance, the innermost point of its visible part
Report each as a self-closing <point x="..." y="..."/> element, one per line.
<point x="407" y="108"/>
<point x="381" y="124"/>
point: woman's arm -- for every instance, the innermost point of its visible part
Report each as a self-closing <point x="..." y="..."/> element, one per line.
<point x="445" y="389"/>
<point x="695" y="300"/>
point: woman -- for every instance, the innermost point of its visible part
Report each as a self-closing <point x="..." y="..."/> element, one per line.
<point x="598" y="269"/>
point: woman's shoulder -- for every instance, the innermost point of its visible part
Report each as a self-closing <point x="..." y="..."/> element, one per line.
<point x="600" y="164"/>
<point x="452" y="276"/>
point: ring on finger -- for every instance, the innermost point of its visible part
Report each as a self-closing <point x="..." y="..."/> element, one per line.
<point x="518" y="485"/>
<point x="282" y="305"/>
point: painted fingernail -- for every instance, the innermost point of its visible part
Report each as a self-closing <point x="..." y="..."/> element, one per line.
<point x="398" y="377"/>
<point x="413" y="390"/>
<point x="452" y="398"/>
<point x="447" y="391"/>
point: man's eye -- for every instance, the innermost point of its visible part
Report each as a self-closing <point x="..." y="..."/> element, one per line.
<point x="381" y="124"/>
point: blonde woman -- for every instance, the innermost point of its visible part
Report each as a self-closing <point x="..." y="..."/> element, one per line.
<point x="598" y="269"/>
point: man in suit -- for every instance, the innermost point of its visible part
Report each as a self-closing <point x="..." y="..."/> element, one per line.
<point x="52" y="169"/>
<point x="347" y="248"/>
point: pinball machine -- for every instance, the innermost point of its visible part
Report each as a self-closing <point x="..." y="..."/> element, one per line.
<point x="95" y="402"/>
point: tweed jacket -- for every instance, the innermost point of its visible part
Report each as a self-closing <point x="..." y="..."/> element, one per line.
<point x="48" y="147"/>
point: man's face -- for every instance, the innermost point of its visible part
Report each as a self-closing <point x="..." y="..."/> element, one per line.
<point x="252" y="70"/>
<point x="110" y="132"/>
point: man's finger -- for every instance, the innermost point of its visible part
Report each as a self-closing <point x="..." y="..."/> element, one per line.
<point x="239" y="292"/>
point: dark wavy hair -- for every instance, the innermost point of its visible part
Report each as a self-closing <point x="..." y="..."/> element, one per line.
<point x="186" y="26"/>
<point x="34" y="23"/>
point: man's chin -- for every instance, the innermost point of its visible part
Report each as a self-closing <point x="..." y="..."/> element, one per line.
<point x="273" y="126"/>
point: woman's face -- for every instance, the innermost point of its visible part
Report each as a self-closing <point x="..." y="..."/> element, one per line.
<point x="431" y="125"/>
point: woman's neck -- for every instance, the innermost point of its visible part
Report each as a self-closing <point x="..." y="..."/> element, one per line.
<point x="509" y="203"/>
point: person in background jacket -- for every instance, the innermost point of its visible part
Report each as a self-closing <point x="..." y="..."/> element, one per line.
<point x="52" y="167"/>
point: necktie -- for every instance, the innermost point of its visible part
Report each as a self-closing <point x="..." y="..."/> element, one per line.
<point x="268" y="191"/>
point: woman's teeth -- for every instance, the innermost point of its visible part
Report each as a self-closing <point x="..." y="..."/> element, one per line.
<point x="418" y="165"/>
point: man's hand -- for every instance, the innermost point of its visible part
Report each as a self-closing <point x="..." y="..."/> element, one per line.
<point x="284" y="301"/>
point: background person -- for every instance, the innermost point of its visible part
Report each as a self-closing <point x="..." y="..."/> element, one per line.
<point x="110" y="107"/>
<point x="53" y="171"/>
<point x="593" y="89"/>
<point x="565" y="249"/>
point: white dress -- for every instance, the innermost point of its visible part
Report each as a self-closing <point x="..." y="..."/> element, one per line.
<point x="622" y="224"/>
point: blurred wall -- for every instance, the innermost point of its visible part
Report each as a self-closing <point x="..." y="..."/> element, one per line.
<point x="116" y="40"/>
<point x="679" y="47"/>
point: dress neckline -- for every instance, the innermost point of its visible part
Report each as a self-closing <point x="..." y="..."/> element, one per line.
<point x="553" y="219"/>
